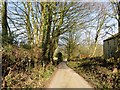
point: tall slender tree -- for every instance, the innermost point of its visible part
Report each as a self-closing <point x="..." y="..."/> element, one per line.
<point x="4" y="23"/>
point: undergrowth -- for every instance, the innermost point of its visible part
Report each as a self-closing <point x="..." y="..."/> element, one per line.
<point x="34" y="78"/>
<point x="99" y="74"/>
<point x="21" y="68"/>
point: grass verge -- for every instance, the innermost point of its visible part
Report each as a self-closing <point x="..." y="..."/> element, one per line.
<point x="99" y="75"/>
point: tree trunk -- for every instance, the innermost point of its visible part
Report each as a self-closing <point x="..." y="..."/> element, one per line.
<point x="4" y="23"/>
<point x="94" y="51"/>
<point x="53" y="46"/>
<point x="46" y="32"/>
<point x="119" y="17"/>
<point x="28" y="24"/>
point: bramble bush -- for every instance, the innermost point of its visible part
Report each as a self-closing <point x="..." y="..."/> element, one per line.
<point x="21" y="67"/>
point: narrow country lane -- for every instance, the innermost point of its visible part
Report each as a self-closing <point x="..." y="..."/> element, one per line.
<point x="65" y="77"/>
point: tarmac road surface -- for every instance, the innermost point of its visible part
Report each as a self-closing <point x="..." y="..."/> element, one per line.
<point x="65" y="77"/>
